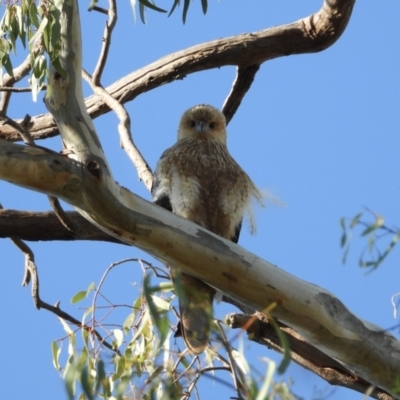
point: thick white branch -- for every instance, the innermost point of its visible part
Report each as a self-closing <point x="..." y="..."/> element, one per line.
<point x="315" y="313"/>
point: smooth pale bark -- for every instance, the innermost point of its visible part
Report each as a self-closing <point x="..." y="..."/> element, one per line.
<point x="315" y="313"/>
<point x="82" y="178"/>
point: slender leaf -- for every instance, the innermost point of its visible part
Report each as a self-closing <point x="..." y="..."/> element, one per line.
<point x="204" y="5"/>
<point x="185" y="10"/>
<point x="55" y="351"/>
<point x="148" y="4"/>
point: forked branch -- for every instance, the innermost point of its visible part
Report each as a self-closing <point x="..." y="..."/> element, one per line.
<point x="308" y="35"/>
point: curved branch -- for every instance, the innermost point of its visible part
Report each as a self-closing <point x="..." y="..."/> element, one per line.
<point x="308" y="35"/>
<point x="241" y="85"/>
<point x="125" y="134"/>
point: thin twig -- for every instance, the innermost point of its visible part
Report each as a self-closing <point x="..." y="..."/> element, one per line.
<point x="162" y="274"/>
<point x="124" y="128"/>
<point x="110" y="25"/>
<point x="20" y="89"/>
<point x="30" y="271"/>
<point x="97" y="290"/>
<point x="19" y="127"/>
<point x="62" y="216"/>
<point x="99" y="9"/>
<point x="204" y="371"/>
<point x="241" y="85"/>
<point x="67" y="317"/>
<point x="239" y="381"/>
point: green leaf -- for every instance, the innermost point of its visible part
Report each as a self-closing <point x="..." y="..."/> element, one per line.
<point x="40" y="30"/>
<point x="355" y="220"/>
<point x="33" y="14"/>
<point x="92" y="4"/>
<point x="379" y="222"/>
<point x="82" y="294"/>
<point x="185" y="10"/>
<point x="78" y="297"/>
<point x="55" y="351"/>
<point x="161" y="303"/>
<point x="343" y="240"/>
<point x="8" y="66"/>
<point x="66" y="327"/>
<point x="87" y="383"/>
<point x="119" y="336"/>
<point x="128" y="322"/>
<point x="345" y="254"/>
<point x="70" y="378"/>
<point x="120" y="368"/>
<point x="142" y="12"/>
<point x="161" y="321"/>
<point x="152" y="6"/>
<point x="241" y="361"/>
<point x="176" y="3"/>
<point x="204" y="6"/>
<point x="262" y="394"/>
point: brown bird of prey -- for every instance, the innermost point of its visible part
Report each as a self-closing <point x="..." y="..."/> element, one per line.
<point x="199" y="180"/>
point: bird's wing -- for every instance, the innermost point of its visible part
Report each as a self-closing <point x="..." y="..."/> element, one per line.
<point x="160" y="189"/>
<point x="235" y="237"/>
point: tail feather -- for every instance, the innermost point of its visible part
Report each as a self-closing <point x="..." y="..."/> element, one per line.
<point x="195" y="306"/>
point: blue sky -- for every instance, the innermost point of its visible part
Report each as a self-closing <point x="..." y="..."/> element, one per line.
<point x="320" y="132"/>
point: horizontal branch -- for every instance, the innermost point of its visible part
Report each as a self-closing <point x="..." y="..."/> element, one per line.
<point x="308" y="35"/>
<point x="316" y="314"/>
<point x="45" y="226"/>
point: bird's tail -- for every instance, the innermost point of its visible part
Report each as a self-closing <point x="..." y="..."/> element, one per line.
<point x="195" y="306"/>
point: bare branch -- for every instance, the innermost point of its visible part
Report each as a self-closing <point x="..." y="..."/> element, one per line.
<point x="308" y="35"/>
<point x="124" y="129"/>
<point x="20" y="90"/>
<point x="62" y="216"/>
<point x="45" y="226"/>
<point x="8" y="81"/>
<point x="20" y="127"/>
<point x="67" y="317"/>
<point x="30" y="273"/>
<point x="241" y="85"/>
<point x="110" y="24"/>
<point x="100" y="10"/>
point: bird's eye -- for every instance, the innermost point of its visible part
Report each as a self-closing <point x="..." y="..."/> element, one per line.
<point x="192" y="124"/>
<point x="212" y="125"/>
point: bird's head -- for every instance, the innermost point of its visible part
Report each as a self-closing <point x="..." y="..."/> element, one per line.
<point x="203" y="122"/>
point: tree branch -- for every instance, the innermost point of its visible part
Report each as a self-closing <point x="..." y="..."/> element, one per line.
<point x="259" y="330"/>
<point x="308" y="35"/>
<point x="45" y="226"/>
<point x="82" y="176"/>
<point x="241" y="85"/>
<point x="316" y="314"/>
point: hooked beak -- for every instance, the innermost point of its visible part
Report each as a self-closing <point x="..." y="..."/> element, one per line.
<point x="201" y="127"/>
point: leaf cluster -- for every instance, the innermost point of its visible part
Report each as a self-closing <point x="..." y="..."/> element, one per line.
<point x="145" y="362"/>
<point x="143" y="5"/>
<point x="375" y="231"/>
<point x="39" y="27"/>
